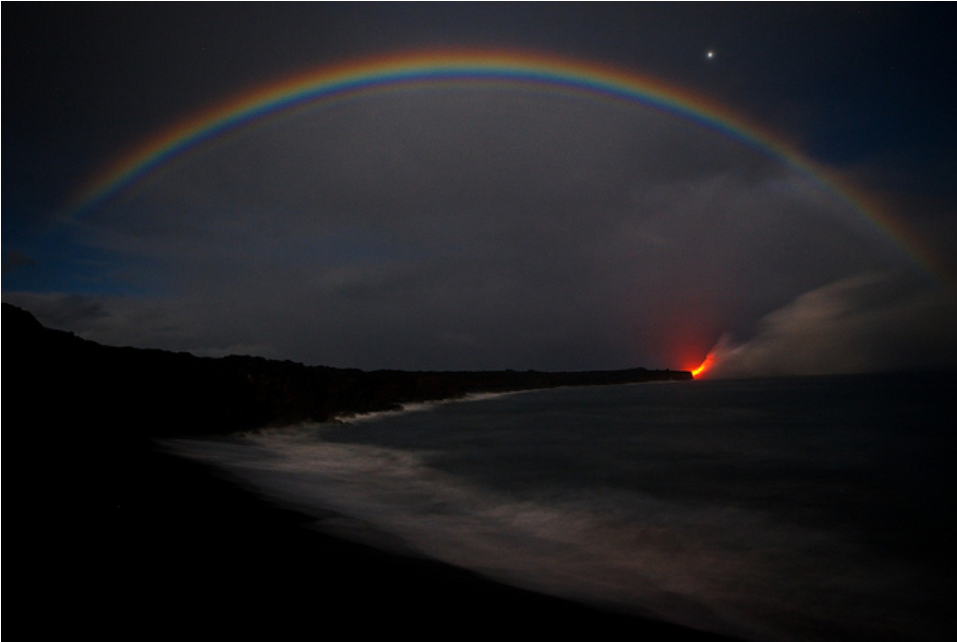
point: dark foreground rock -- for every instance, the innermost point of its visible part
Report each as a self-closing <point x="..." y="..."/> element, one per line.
<point x="156" y="392"/>
<point x="112" y="536"/>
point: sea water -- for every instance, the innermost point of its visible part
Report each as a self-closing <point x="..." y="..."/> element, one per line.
<point x="774" y="509"/>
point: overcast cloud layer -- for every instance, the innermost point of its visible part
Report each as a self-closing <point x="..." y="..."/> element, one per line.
<point x="469" y="227"/>
<point x="491" y="226"/>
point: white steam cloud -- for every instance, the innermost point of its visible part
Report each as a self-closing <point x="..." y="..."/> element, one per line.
<point x="865" y="323"/>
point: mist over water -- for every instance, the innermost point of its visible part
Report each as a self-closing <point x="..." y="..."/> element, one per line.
<point x="775" y="509"/>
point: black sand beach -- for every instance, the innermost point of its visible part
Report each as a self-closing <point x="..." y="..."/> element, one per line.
<point x="188" y="551"/>
<point x="120" y="538"/>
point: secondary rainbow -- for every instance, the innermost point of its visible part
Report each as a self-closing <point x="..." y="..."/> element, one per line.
<point x="392" y="71"/>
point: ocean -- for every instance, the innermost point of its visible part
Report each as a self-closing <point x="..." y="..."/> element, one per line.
<point x="767" y="509"/>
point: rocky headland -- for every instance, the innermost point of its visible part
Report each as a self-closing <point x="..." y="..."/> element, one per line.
<point x="159" y="393"/>
<point x="118" y="536"/>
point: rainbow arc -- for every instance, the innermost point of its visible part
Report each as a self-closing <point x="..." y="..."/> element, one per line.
<point x="386" y="73"/>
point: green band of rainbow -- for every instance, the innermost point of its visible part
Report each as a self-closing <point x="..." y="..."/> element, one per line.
<point x="387" y="72"/>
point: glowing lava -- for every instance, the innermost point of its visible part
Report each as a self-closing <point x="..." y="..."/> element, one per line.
<point x="705" y="365"/>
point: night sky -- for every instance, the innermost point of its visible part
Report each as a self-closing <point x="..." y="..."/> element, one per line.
<point x="475" y="225"/>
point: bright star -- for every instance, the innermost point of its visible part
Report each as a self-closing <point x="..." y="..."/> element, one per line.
<point x="710" y="55"/>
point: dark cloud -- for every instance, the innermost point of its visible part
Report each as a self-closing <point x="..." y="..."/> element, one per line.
<point x="473" y="225"/>
<point x="15" y="259"/>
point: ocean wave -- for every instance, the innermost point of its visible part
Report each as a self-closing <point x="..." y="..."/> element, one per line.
<point x="657" y="558"/>
<point x="727" y="525"/>
<point x="419" y="406"/>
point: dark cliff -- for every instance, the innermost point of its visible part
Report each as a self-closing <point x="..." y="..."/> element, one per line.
<point x="58" y="377"/>
<point x="173" y="545"/>
<point x="170" y="544"/>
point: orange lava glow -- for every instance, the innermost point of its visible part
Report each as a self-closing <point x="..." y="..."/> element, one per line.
<point x="705" y="366"/>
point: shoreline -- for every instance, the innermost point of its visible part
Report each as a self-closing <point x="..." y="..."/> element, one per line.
<point x="198" y="546"/>
<point x="121" y="536"/>
<point x="178" y="394"/>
